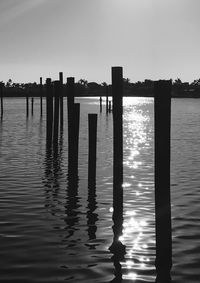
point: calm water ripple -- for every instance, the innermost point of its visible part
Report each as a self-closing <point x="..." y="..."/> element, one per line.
<point x="54" y="228"/>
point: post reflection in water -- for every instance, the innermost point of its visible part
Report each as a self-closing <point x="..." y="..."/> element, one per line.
<point x="72" y="204"/>
<point x="117" y="248"/>
<point x="92" y="217"/>
<point x="53" y="173"/>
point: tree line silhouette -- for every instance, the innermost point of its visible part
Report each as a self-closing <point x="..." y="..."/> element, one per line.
<point x="85" y="88"/>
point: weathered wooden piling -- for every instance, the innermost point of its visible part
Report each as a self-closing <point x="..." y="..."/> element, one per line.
<point x="61" y="99"/>
<point x="49" y="111"/>
<point x="1" y="97"/>
<point x="57" y="92"/>
<point x="92" y="148"/>
<point x="162" y="108"/>
<point x="100" y="100"/>
<point x="41" y="95"/>
<point x="117" y="93"/>
<point x="32" y="104"/>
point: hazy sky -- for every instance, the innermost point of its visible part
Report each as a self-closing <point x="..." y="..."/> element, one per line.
<point x="155" y="39"/>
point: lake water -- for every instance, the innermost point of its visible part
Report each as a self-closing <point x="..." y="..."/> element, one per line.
<point x="52" y="233"/>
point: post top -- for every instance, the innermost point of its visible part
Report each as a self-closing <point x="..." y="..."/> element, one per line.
<point x="116" y="67"/>
<point x="163" y="83"/>
<point x="163" y="87"/>
<point x="92" y="114"/>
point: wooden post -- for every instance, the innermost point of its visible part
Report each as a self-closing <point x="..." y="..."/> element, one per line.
<point x="57" y="87"/>
<point x="162" y="105"/>
<point x="76" y="124"/>
<point x="70" y="95"/>
<point x="1" y="95"/>
<point x="61" y="99"/>
<point x="73" y="145"/>
<point x="27" y="105"/>
<point x="117" y="93"/>
<point x="100" y="99"/>
<point x="92" y="150"/>
<point x="110" y="107"/>
<point x="70" y="106"/>
<point x="49" y="111"/>
<point x="41" y="94"/>
<point x="106" y="99"/>
<point x="32" y="103"/>
<point x="73" y="127"/>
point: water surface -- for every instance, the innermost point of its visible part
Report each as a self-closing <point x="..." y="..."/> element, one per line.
<point x="56" y="230"/>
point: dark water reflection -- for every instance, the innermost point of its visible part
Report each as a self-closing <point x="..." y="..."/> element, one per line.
<point x="92" y="216"/>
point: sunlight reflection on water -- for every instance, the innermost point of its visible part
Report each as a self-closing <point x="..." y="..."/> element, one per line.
<point x="138" y="230"/>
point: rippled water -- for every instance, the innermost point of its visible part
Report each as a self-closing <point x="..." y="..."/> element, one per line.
<point x="52" y="230"/>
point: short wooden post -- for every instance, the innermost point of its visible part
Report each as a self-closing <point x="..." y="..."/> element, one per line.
<point x="61" y="99"/>
<point x="27" y="105"/>
<point x="110" y="107"/>
<point x="92" y="149"/>
<point x="57" y="91"/>
<point x="32" y="103"/>
<point x="162" y="105"/>
<point x="106" y="99"/>
<point x="100" y="100"/>
<point x="117" y="94"/>
<point x="1" y="95"/>
<point x="49" y="111"/>
<point x="41" y="95"/>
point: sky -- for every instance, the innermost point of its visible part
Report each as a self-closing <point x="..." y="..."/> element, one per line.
<point x="150" y="39"/>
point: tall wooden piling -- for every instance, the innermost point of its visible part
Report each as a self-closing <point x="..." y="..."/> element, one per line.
<point x="70" y="106"/>
<point x="41" y="95"/>
<point x="49" y="111"/>
<point x="61" y="99"/>
<point x="162" y="108"/>
<point x="57" y="92"/>
<point x="1" y="97"/>
<point x="117" y="93"/>
<point x="92" y="148"/>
